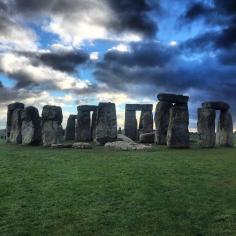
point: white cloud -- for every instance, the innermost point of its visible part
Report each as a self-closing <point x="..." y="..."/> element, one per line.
<point x="94" y="56"/>
<point x="121" y="48"/>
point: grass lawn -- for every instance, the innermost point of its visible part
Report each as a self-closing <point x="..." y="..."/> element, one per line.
<point x="100" y="192"/>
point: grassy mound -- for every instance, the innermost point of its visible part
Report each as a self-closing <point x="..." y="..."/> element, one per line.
<point x="100" y="192"/>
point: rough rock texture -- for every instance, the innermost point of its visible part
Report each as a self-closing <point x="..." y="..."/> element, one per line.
<point x="11" y="108"/>
<point x="146" y="122"/>
<point x="31" y="126"/>
<point x="127" y="146"/>
<point x="70" y="128"/>
<point x="178" y="133"/>
<point x="162" y="116"/>
<point x="15" y="128"/>
<point x="224" y="134"/>
<point x="106" y="125"/>
<point x="52" y="132"/>
<point x="172" y="98"/>
<point x="217" y="105"/>
<point x="83" y="126"/>
<point x="93" y="125"/>
<point x="82" y="146"/>
<point x="138" y="107"/>
<point x="206" y="127"/>
<point x="147" y="138"/>
<point x="122" y="137"/>
<point x="131" y="124"/>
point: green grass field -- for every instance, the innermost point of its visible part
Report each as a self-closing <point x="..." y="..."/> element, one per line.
<point x="100" y="192"/>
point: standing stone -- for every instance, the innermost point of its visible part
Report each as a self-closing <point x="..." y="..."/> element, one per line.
<point x="131" y="124"/>
<point x="206" y="127"/>
<point x="83" y="125"/>
<point x="70" y="128"/>
<point x="224" y="135"/>
<point x="106" y="125"/>
<point x="178" y="133"/>
<point x="93" y="125"/>
<point x="11" y="108"/>
<point x="52" y="132"/>
<point x="31" y="126"/>
<point x="146" y="122"/>
<point x="162" y="116"/>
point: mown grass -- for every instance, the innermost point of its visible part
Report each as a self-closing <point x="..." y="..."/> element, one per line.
<point x="100" y="192"/>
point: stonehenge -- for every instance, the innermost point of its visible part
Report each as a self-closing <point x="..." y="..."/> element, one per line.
<point x="172" y="120"/>
<point x="52" y="132"/>
<point x="145" y="123"/>
<point x="98" y="124"/>
<point x="206" y="124"/>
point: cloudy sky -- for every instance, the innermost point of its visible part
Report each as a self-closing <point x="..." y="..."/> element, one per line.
<point x="77" y="52"/>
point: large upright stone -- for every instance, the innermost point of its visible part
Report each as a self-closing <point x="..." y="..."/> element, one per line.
<point x="162" y="116"/>
<point x="83" y="125"/>
<point x="11" y="108"/>
<point x="131" y="124"/>
<point x="172" y="98"/>
<point x="206" y="127"/>
<point x="146" y="122"/>
<point x="106" y="126"/>
<point x="70" y="128"/>
<point x="31" y="126"/>
<point x="178" y="133"/>
<point x="52" y="132"/>
<point x="224" y="134"/>
<point x="93" y="125"/>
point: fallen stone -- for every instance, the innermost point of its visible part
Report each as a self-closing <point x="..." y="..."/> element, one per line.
<point x="106" y="125"/>
<point x="162" y="116"/>
<point x="122" y="137"/>
<point x="58" y="146"/>
<point x="81" y="145"/>
<point x="178" y="133"/>
<point x="224" y="134"/>
<point x="147" y="138"/>
<point x="127" y="146"/>
<point x="206" y="127"/>
<point x="217" y="105"/>
<point x="172" y="98"/>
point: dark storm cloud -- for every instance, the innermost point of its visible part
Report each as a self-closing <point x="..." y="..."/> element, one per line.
<point x="130" y="15"/>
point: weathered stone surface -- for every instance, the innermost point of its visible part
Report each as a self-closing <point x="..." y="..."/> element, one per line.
<point x="122" y="137"/>
<point x="131" y="124"/>
<point x="83" y="126"/>
<point x="31" y="126"/>
<point x="106" y="125"/>
<point x="15" y="127"/>
<point x="172" y="98"/>
<point x="178" y="133"/>
<point x="82" y="146"/>
<point x="138" y="107"/>
<point x="87" y="108"/>
<point x="127" y="146"/>
<point x="162" y="116"/>
<point x="52" y="113"/>
<point x="60" y="145"/>
<point x="146" y="122"/>
<point x="147" y="138"/>
<point x="70" y="128"/>
<point x="217" y="105"/>
<point x="93" y="125"/>
<point x="52" y="132"/>
<point x="11" y="108"/>
<point x="206" y="127"/>
<point x="224" y="134"/>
